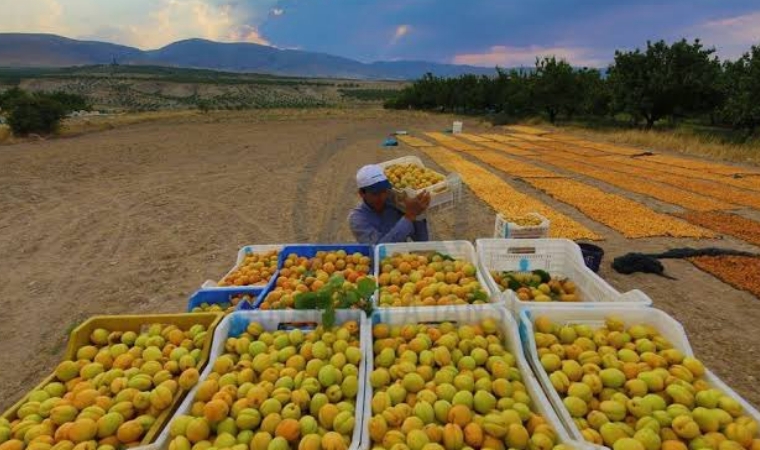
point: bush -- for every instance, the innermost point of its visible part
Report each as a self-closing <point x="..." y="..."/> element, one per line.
<point x="370" y="95"/>
<point x="9" y="98"/>
<point x="70" y="102"/>
<point x="39" y="112"/>
<point x="742" y="109"/>
<point x="36" y="114"/>
<point x="204" y="106"/>
<point x="503" y="118"/>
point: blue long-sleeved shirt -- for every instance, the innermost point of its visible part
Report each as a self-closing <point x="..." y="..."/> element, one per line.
<point x="370" y="227"/>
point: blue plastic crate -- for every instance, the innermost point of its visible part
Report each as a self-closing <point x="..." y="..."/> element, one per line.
<point x="258" y="248"/>
<point x="260" y="298"/>
<point x="310" y="251"/>
<point x="217" y="296"/>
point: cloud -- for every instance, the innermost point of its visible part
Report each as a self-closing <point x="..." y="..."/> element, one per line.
<point x="182" y="19"/>
<point x="742" y="29"/>
<point x="142" y="23"/>
<point x="506" y="56"/>
<point x="42" y="16"/>
<point x="732" y="36"/>
<point x="401" y="31"/>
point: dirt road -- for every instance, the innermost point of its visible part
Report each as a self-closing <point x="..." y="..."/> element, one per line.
<point x="133" y="220"/>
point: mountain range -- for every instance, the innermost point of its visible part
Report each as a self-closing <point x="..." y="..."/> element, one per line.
<point x="48" y="50"/>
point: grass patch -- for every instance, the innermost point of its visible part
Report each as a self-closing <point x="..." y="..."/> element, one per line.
<point x="67" y="332"/>
<point x="692" y="140"/>
<point x="686" y="142"/>
<point x="369" y="95"/>
<point x="77" y="126"/>
<point x="689" y="138"/>
<point x="81" y="125"/>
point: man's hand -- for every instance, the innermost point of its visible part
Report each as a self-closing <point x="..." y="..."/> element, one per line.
<point x="417" y="205"/>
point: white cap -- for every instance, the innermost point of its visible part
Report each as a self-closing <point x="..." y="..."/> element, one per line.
<point x="371" y="175"/>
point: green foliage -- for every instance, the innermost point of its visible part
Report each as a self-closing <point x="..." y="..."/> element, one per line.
<point x="70" y="102"/>
<point x="39" y="112"/>
<point x="679" y="80"/>
<point x="169" y="74"/>
<point x="555" y="87"/>
<point x="467" y="93"/>
<point x="370" y="95"/>
<point x="204" y="106"/>
<point x="594" y="92"/>
<point x="336" y="294"/>
<point x="742" y="81"/>
<point x="36" y="114"/>
<point x="512" y="95"/>
<point x="665" y="80"/>
<point x="11" y="97"/>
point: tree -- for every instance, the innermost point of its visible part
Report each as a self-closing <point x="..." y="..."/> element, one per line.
<point x="512" y="93"/>
<point x="204" y="106"/>
<point x="11" y="97"/>
<point x="594" y="96"/>
<point x="695" y="75"/>
<point x="742" y="107"/>
<point x="71" y="102"/>
<point x="36" y="114"/>
<point x="554" y="86"/>
<point x="665" y="80"/>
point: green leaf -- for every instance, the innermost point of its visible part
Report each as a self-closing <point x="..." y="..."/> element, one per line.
<point x="306" y="300"/>
<point x="350" y="299"/>
<point x="368" y="308"/>
<point x="336" y="281"/>
<point x="328" y="317"/>
<point x="323" y="301"/>
<point x="545" y="277"/>
<point x="444" y="256"/>
<point x="514" y="284"/>
<point x="366" y="287"/>
<point x="481" y="295"/>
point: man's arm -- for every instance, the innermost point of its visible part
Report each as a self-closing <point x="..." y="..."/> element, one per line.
<point x="415" y="207"/>
<point x="365" y="233"/>
<point x="420" y="233"/>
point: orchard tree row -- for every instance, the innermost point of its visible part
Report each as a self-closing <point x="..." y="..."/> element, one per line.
<point x="662" y="81"/>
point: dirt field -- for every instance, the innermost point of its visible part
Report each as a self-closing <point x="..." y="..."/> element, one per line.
<point x="133" y="220"/>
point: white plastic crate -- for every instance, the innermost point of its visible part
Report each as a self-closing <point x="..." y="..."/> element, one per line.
<point x="442" y="195"/>
<point x="242" y="253"/>
<point x="559" y="257"/>
<point x="271" y="320"/>
<point x="456" y="249"/>
<point x="466" y="315"/>
<point x="667" y="326"/>
<point x="504" y="229"/>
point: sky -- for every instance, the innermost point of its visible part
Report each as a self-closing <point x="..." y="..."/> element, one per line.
<point x="506" y="33"/>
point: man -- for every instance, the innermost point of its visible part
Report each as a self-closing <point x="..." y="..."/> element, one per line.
<point x="376" y="221"/>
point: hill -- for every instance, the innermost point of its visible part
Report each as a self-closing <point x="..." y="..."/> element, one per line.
<point x="46" y="50"/>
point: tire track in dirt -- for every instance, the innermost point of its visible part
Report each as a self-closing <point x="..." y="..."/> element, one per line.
<point x="170" y="204"/>
<point x="310" y="183"/>
<point x="342" y="169"/>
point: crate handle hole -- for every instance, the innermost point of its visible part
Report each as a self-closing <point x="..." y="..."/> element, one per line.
<point x="306" y="326"/>
<point x="521" y="250"/>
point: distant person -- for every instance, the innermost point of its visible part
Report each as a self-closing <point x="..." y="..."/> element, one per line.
<point x="376" y="221"/>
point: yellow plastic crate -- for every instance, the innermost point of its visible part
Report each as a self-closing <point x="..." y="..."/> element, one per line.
<point x="80" y="337"/>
